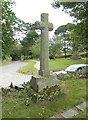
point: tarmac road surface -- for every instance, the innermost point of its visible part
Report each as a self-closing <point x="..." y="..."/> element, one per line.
<point x="8" y="74"/>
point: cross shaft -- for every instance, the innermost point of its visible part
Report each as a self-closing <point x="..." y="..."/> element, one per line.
<point x="45" y="27"/>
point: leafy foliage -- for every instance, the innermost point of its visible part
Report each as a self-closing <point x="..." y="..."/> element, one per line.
<point x="28" y="42"/>
<point x="8" y="22"/>
<point x="64" y="28"/>
<point x="36" y="49"/>
<point x="16" y="54"/>
<point x="12" y="29"/>
<point x="78" y="10"/>
<point x="54" y="50"/>
<point x="63" y="37"/>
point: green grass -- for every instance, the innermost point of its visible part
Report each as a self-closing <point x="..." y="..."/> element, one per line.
<point x="62" y="63"/>
<point x="74" y="94"/>
<point x="29" y="68"/>
<point x="83" y="114"/>
<point x="54" y="65"/>
<point x="13" y="106"/>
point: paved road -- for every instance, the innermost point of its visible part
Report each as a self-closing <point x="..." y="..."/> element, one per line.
<point x="8" y="74"/>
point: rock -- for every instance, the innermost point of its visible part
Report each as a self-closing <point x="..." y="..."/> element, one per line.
<point x="11" y="85"/>
<point x="82" y="106"/>
<point x="38" y="83"/>
<point x="69" y="113"/>
<point x="85" y="71"/>
<point x="19" y="87"/>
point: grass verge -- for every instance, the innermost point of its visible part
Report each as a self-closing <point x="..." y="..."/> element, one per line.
<point x="54" y="65"/>
<point x="13" y="106"/>
<point x="29" y="68"/>
<point x="62" y="63"/>
<point x="83" y="114"/>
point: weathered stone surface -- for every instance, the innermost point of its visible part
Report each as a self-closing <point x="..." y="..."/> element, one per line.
<point x="38" y="83"/>
<point x="45" y="27"/>
<point x="44" y="79"/>
<point x="69" y="114"/>
<point x="82" y="106"/>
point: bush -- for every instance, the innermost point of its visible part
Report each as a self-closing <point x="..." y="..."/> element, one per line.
<point x="7" y="58"/>
<point x="27" y="57"/>
<point x="51" y="56"/>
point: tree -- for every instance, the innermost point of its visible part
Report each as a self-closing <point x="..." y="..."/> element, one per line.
<point x="78" y="10"/>
<point x="36" y="49"/>
<point x="16" y="55"/>
<point x="12" y="27"/>
<point x="8" y="22"/>
<point x="21" y="28"/>
<point x="28" y="42"/>
<point x="54" y="50"/>
<point x="63" y="32"/>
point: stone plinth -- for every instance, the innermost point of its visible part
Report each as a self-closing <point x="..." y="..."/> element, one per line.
<point x="38" y="83"/>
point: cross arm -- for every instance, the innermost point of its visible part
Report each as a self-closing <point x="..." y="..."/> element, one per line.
<point x="39" y="25"/>
<point x="50" y="26"/>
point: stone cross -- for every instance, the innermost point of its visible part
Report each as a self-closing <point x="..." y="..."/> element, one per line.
<point x="45" y="27"/>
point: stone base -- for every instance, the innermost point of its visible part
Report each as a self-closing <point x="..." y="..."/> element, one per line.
<point x="45" y="94"/>
<point x="38" y="83"/>
<point x="44" y="73"/>
<point x="43" y="88"/>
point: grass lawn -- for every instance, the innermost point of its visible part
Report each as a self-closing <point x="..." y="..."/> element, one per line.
<point x="62" y="63"/>
<point x="83" y="114"/>
<point x="29" y="68"/>
<point x="74" y="93"/>
<point x="13" y="105"/>
<point x="54" y="65"/>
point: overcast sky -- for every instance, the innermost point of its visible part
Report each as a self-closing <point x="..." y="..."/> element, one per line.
<point x="30" y="10"/>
